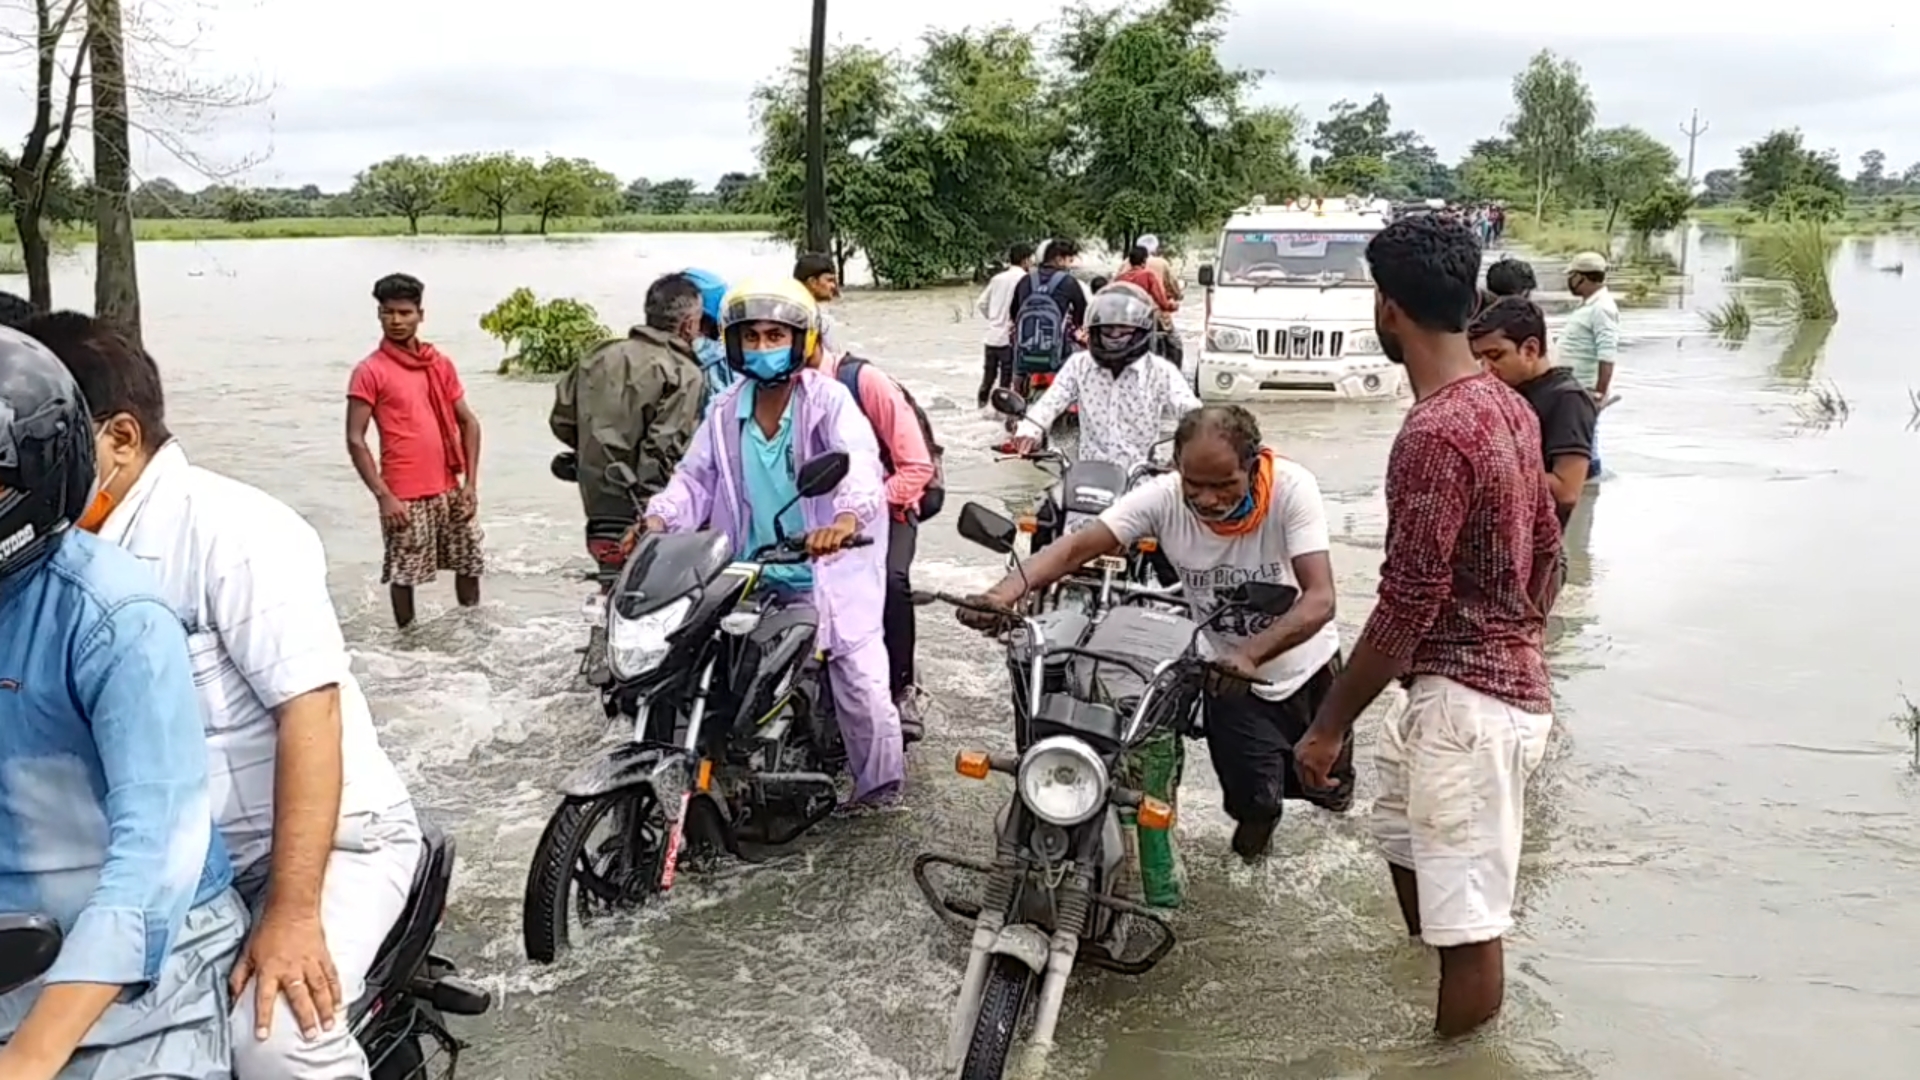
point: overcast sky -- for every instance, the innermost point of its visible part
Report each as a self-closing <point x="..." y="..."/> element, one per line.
<point x="659" y="89"/>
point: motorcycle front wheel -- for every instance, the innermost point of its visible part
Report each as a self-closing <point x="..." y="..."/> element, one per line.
<point x="572" y="872"/>
<point x="1002" y="1001"/>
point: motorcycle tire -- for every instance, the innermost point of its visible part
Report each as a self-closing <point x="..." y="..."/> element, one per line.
<point x="1003" y="1000"/>
<point x="553" y="878"/>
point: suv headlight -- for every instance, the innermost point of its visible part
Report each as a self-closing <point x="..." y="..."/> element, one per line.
<point x="1363" y="341"/>
<point x="634" y="646"/>
<point x="1062" y="780"/>
<point x="1229" y="339"/>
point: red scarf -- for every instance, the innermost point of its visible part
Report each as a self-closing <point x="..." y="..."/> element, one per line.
<point x="425" y="358"/>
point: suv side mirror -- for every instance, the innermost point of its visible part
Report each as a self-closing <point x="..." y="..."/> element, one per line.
<point x="1206" y="277"/>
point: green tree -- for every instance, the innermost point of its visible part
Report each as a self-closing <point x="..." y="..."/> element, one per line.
<point x="1623" y="166"/>
<point x="1871" y="180"/>
<point x="1780" y="163"/>
<point x="489" y="185"/>
<point x="1262" y="153"/>
<point x="638" y="197"/>
<point x="570" y="187"/>
<point x="241" y="204"/>
<point x="1354" y="141"/>
<point x="1553" y="114"/>
<point x="1719" y="186"/>
<point x="1154" y="120"/>
<point x="1493" y="171"/>
<point x="408" y="186"/>
<point x="1660" y="209"/>
<point x="1414" y="169"/>
<point x="861" y="98"/>
<point x="734" y="192"/>
<point x="543" y="338"/>
<point x="673" y="196"/>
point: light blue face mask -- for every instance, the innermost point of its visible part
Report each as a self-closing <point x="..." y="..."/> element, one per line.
<point x="709" y="352"/>
<point x="767" y="365"/>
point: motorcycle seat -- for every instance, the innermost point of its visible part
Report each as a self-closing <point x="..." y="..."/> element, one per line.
<point x="405" y="948"/>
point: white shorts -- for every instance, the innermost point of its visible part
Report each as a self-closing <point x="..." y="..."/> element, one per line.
<point x="1453" y="765"/>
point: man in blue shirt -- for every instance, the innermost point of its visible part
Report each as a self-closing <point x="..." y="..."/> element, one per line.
<point x="106" y="823"/>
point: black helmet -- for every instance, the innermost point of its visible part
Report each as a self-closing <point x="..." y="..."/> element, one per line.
<point x="46" y="451"/>
<point x="1121" y="322"/>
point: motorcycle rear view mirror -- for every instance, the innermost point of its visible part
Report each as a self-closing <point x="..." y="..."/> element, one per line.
<point x="820" y="475"/>
<point x="1007" y="403"/>
<point x="565" y="467"/>
<point x="621" y="473"/>
<point x="1266" y="597"/>
<point x="29" y="944"/>
<point x="988" y="529"/>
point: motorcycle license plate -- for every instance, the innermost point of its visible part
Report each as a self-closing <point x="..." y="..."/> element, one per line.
<point x="593" y="609"/>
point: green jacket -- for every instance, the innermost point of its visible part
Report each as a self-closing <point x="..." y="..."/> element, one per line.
<point x="636" y="400"/>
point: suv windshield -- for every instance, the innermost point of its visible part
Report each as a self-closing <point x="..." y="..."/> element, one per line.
<point x="1294" y="257"/>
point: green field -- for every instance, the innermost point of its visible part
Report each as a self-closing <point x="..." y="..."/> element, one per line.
<point x="163" y="229"/>
<point x="1862" y="218"/>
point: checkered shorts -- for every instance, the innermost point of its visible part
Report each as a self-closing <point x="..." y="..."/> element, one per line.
<point x="439" y="535"/>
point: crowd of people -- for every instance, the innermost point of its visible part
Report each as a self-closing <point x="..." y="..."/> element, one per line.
<point x="195" y="790"/>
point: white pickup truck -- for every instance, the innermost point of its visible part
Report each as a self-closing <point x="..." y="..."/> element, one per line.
<point x="1289" y="306"/>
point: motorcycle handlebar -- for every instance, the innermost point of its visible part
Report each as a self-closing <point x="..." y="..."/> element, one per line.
<point x="794" y="550"/>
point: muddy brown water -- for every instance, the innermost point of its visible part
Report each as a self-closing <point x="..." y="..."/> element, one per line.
<point x="1723" y="848"/>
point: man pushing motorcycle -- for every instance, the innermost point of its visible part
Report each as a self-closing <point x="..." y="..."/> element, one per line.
<point x="1233" y="512"/>
<point x="740" y="470"/>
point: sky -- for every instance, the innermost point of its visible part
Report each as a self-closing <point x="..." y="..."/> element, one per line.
<point x="661" y="89"/>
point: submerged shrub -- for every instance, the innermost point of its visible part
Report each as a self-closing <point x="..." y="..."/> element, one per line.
<point x="1801" y="256"/>
<point x="543" y="338"/>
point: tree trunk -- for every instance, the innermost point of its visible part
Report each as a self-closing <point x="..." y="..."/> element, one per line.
<point x="413" y="223"/>
<point x="35" y="251"/>
<point x="500" y="220"/>
<point x="543" y="223"/>
<point x="116" y="287"/>
<point x="1539" y="193"/>
<point x="1613" y="211"/>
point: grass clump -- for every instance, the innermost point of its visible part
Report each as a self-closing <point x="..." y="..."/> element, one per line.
<point x="1908" y="720"/>
<point x="1732" y="320"/>
<point x="1824" y="406"/>
<point x="1801" y="257"/>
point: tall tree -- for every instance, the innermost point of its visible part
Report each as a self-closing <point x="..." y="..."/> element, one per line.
<point x="564" y="187"/>
<point x="672" y="196"/>
<point x="116" y="283"/>
<point x="1553" y="112"/>
<point x="1872" y="177"/>
<point x="1623" y="166"/>
<point x="408" y="186"/>
<point x="489" y="185"/>
<point x="1778" y="165"/>
<point x="34" y="174"/>
<point x="1354" y="141"/>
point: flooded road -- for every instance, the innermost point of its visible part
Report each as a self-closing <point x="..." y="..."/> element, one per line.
<point x="1719" y="844"/>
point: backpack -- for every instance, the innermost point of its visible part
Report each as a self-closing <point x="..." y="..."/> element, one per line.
<point x="1040" y="326"/>
<point x="935" y="495"/>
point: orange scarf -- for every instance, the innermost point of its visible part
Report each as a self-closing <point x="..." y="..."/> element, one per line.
<point x="1261" y="488"/>
<point x="438" y="369"/>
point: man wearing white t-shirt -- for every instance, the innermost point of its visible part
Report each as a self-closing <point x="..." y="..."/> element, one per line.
<point x="1234" y="512"/>
<point x="322" y="832"/>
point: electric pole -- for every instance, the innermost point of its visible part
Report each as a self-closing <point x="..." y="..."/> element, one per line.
<point x="818" y="236"/>
<point x="1693" y="131"/>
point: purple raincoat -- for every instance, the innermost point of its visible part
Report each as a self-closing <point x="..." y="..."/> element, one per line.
<point x="849" y="590"/>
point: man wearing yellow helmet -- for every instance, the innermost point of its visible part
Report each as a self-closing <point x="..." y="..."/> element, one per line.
<point x="740" y="470"/>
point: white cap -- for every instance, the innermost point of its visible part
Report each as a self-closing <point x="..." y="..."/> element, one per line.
<point x="1151" y="243"/>
<point x="1588" y="262"/>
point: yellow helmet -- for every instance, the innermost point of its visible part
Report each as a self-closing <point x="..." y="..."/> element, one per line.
<point x="781" y="301"/>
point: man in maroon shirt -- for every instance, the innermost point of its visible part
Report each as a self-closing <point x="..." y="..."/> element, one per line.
<point x="1471" y="545"/>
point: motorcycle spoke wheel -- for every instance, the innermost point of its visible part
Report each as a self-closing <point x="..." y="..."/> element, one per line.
<point x="573" y="876"/>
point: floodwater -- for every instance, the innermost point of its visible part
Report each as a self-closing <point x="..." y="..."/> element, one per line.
<point x="1719" y="845"/>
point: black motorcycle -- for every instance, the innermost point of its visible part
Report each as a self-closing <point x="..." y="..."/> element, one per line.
<point x="604" y="537"/>
<point x="734" y="745"/>
<point x="1081" y="491"/>
<point x="399" y="1021"/>
<point x="1050" y="900"/>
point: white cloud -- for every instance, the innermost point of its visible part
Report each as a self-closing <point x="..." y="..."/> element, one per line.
<point x="660" y="89"/>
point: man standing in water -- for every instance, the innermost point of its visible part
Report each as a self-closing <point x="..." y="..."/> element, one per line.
<point x="1472" y="544"/>
<point x="1510" y="338"/>
<point x="427" y="480"/>
<point x="1590" y="340"/>
<point x="821" y="278"/>
<point x="996" y="306"/>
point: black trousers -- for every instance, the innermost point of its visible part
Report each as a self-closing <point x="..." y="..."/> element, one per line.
<point x="1250" y="740"/>
<point x="903" y="537"/>
<point x="997" y="371"/>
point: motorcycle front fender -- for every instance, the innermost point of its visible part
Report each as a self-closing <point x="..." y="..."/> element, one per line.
<point x="1024" y="942"/>
<point x="667" y="769"/>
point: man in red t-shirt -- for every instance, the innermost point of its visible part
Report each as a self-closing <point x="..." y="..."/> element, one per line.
<point x="427" y="478"/>
<point x="1141" y="272"/>
<point x="1472" y="544"/>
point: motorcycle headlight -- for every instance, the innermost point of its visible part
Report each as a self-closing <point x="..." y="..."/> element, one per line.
<point x="1364" y="342"/>
<point x="634" y="646"/>
<point x="1062" y="780"/>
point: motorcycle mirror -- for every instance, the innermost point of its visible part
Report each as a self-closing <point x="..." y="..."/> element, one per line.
<point x="29" y="944"/>
<point x="1206" y="277"/>
<point x="565" y="467"/>
<point x="820" y="475"/>
<point x="1008" y="403"/>
<point x="1265" y="597"/>
<point x="990" y="530"/>
<point x="621" y="473"/>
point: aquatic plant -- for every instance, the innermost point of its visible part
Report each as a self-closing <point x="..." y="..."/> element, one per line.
<point x="1801" y="257"/>
<point x="1909" y="722"/>
<point x="543" y="338"/>
<point x="1824" y="406"/>
<point x="1731" y="320"/>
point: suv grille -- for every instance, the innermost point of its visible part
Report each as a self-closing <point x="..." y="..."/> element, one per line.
<point x="1305" y="345"/>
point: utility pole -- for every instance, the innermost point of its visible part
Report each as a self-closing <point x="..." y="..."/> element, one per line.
<point x="1693" y="131"/>
<point x="818" y="236"/>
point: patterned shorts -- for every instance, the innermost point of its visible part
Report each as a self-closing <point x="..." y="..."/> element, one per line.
<point x="438" y="535"/>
